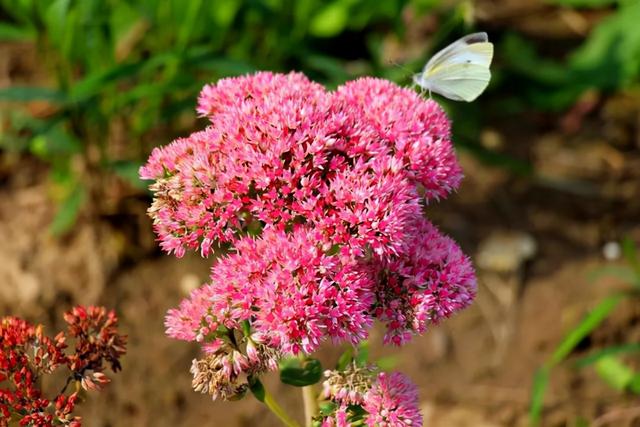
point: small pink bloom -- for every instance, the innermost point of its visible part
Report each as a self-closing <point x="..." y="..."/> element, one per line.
<point x="392" y="402"/>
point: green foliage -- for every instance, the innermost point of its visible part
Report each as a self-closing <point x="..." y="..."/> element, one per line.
<point x="607" y="361"/>
<point x="608" y="60"/>
<point x="138" y="65"/>
<point x="300" y="372"/>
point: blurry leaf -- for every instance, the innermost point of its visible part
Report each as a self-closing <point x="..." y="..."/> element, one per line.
<point x="609" y="351"/>
<point x="584" y="328"/>
<point x="257" y="388"/>
<point x="583" y="3"/>
<point x="56" y="20"/>
<point x="300" y="373"/>
<point x="621" y="272"/>
<point x="362" y="354"/>
<point x="327" y="408"/>
<point x="331" y="67"/>
<point x="187" y="26"/>
<point x="614" y="372"/>
<point x="15" y="33"/>
<point x="31" y="93"/>
<point x="95" y="82"/>
<point x="540" y="382"/>
<point x="56" y="142"/>
<point x="128" y="171"/>
<point x="224" y="12"/>
<point x="331" y="20"/>
<point x="222" y="66"/>
<point x="68" y="211"/>
<point x="610" y="57"/>
<point x="634" y="384"/>
<point x="387" y="363"/>
<point x="521" y="55"/>
<point x="345" y="359"/>
<point x="630" y="252"/>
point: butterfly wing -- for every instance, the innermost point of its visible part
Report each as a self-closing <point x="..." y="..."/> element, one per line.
<point x="461" y="70"/>
<point x="461" y="45"/>
<point x="459" y="81"/>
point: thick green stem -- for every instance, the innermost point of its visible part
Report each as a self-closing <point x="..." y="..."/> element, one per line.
<point x="310" y="404"/>
<point x="278" y="411"/>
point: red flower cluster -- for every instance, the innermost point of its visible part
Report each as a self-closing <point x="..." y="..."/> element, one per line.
<point x="27" y="354"/>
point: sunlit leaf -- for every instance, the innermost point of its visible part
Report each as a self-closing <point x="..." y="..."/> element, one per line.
<point x="330" y="20"/>
<point x="614" y="372"/>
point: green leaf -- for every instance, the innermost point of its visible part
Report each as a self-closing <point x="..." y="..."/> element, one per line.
<point x="609" y="351"/>
<point x="614" y="372"/>
<point x="128" y="170"/>
<point x="224" y="12"/>
<point x="634" y="384"/>
<point x="300" y="373"/>
<point x="327" y="408"/>
<point x="68" y="211"/>
<point x="540" y="383"/>
<point x="10" y="32"/>
<point x="257" y="388"/>
<point x="610" y="57"/>
<point x="387" y="363"/>
<point x="330" y="21"/>
<point x="345" y="359"/>
<point x="362" y="354"/>
<point x="55" y="143"/>
<point x="584" y="328"/>
<point x="56" y="20"/>
<point x="31" y="93"/>
<point x="96" y="82"/>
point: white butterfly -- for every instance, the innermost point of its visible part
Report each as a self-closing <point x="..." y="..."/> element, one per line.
<point x="460" y="71"/>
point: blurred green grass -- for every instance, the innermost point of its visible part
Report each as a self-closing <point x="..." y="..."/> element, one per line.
<point x="124" y="74"/>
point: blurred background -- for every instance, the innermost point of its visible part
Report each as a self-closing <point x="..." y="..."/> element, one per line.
<point x="549" y="210"/>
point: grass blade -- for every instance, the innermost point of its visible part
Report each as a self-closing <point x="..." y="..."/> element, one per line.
<point x="31" y="93"/>
<point x="584" y="328"/>
<point x="540" y="383"/>
<point x="609" y="351"/>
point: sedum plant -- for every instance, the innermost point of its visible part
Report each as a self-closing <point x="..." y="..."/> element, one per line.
<point x="28" y="355"/>
<point x="316" y="200"/>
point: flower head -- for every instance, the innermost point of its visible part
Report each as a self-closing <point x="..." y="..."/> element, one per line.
<point x="281" y="151"/>
<point x="392" y="402"/>
<point x="429" y="281"/>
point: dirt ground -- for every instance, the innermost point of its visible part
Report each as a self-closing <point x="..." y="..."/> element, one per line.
<point x="474" y="370"/>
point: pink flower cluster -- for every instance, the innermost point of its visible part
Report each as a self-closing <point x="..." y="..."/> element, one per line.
<point x="319" y="198"/>
<point x="383" y="400"/>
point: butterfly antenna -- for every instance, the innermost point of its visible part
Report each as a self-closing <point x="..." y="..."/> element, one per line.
<point x="401" y="66"/>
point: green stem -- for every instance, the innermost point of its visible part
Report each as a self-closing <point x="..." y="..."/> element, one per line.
<point x="310" y="404"/>
<point x="278" y="411"/>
